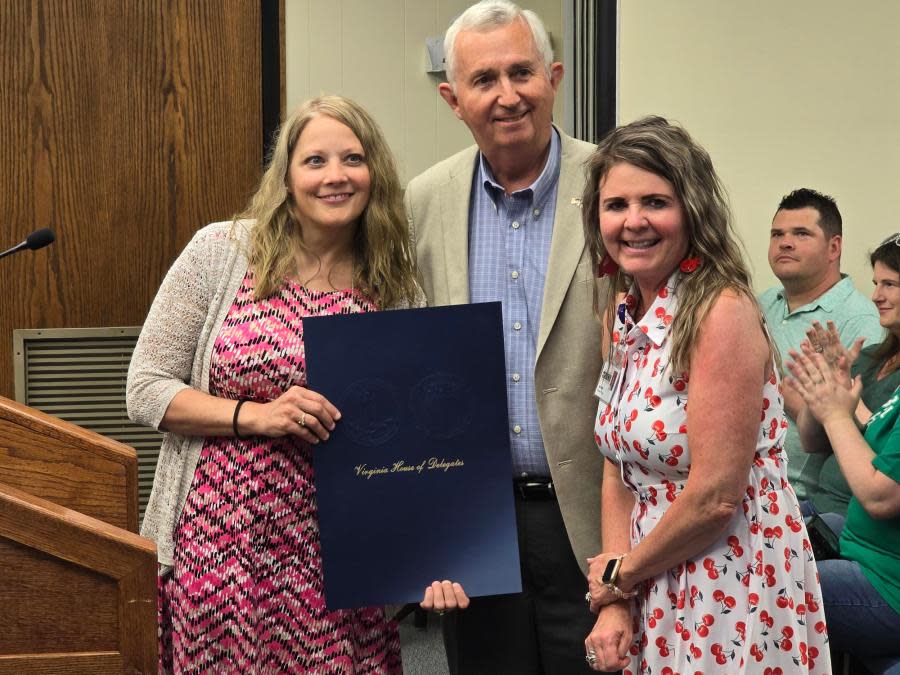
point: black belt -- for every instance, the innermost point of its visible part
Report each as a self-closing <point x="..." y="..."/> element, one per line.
<point x="534" y="488"/>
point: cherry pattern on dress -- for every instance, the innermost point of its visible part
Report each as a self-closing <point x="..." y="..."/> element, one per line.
<point x="751" y="601"/>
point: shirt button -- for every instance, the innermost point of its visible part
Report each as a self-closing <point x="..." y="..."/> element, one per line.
<point x="515" y="225"/>
<point x="517" y="325"/>
<point x="537" y="212"/>
<point x="515" y="274"/>
<point x="517" y="429"/>
<point x="516" y="377"/>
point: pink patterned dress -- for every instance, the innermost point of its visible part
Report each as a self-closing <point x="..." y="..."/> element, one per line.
<point x="245" y="595"/>
<point x="751" y="602"/>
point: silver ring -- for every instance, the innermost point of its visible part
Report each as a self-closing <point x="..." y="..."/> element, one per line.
<point x="591" y="658"/>
<point x="587" y="596"/>
<point x="302" y="420"/>
<point x="819" y="349"/>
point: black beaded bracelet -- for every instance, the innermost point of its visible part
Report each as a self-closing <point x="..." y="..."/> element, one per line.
<point x="234" y="420"/>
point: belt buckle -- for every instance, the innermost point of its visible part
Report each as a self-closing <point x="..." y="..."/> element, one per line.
<point x="535" y="489"/>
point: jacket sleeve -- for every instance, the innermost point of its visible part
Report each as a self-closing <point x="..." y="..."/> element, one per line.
<point x="164" y="355"/>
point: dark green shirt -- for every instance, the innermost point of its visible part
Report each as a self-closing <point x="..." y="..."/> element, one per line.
<point x="875" y="544"/>
<point x="831" y="494"/>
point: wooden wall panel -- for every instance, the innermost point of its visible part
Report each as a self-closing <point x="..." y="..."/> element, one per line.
<point x="125" y="126"/>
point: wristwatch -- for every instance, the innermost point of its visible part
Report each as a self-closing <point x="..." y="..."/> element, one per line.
<point x="611" y="576"/>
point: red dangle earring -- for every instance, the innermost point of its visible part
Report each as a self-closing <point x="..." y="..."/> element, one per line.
<point x="689" y="265"/>
<point x="607" y="267"/>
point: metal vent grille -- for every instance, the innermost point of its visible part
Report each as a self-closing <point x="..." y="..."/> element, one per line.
<point x="78" y="375"/>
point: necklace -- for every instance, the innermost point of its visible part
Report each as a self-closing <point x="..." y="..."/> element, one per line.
<point x="321" y="280"/>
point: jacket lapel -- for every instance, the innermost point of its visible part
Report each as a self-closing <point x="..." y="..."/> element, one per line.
<point x="455" y="221"/>
<point x="564" y="257"/>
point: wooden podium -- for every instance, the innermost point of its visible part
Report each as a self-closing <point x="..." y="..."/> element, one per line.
<point x="77" y="584"/>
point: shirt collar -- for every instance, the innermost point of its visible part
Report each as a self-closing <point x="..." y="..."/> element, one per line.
<point x="540" y="188"/>
<point x="658" y="318"/>
<point x="828" y="301"/>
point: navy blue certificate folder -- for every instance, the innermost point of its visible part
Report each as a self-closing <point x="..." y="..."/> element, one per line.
<point x="415" y="483"/>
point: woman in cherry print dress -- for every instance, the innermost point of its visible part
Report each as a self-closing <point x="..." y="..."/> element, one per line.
<point x="706" y="561"/>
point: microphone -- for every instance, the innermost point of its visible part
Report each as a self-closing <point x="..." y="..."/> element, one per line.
<point x="37" y="239"/>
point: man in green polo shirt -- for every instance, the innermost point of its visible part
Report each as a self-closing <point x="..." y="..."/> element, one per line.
<point x="805" y="255"/>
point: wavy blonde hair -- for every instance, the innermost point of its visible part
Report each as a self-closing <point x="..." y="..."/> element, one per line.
<point x="667" y="150"/>
<point x="383" y="267"/>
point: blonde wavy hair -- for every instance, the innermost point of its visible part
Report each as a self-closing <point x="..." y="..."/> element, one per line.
<point x="667" y="150"/>
<point x="383" y="267"/>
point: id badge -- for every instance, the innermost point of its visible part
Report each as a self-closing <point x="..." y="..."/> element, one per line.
<point x="611" y="373"/>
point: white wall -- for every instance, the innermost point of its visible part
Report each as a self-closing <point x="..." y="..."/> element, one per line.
<point x="374" y="52"/>
<point x="783" y="94"/>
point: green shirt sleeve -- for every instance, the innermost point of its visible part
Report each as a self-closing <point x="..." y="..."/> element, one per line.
<point x="888" y="463"/>
<point x="883" y="436"/>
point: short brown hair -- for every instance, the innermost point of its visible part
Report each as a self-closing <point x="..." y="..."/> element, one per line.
<point x="807" y="198"/>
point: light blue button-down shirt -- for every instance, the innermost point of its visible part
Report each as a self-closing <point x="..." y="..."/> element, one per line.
<point x="509" y="244"/>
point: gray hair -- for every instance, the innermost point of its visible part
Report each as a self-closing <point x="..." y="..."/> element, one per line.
<point x="488" y="15"/>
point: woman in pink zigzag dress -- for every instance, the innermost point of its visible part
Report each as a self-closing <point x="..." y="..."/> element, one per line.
<point x="220" y="366"/>
<point x="706" y="566"/>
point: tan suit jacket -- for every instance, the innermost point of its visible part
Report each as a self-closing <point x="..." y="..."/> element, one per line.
<point x="568" y="349"/>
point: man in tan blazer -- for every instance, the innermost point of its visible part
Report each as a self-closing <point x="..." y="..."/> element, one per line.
<point x="502" y="221"/>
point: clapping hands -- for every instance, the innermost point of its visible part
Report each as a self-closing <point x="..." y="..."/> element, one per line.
<point x="827" y="342"/>
<point x="827" y="391"/>
<point x="821" y="374"/>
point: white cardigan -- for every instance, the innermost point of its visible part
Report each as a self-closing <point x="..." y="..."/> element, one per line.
<point x="173" y="353"/>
